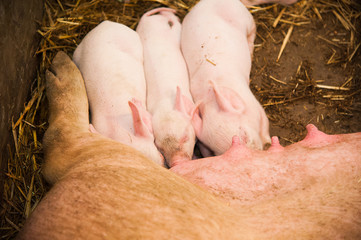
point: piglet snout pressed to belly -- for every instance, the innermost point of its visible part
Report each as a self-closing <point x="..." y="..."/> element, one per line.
<point x="168" y="95"/>
<point x="217" y="44"/>
<point x="110" y="58"/>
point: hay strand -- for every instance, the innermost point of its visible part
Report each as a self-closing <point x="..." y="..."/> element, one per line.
<point x="275" y="79"/>
<point x="332" y="87"/>
<point x="285" y="41"/>
<point x="278" y="18"/>
<point x="354" y="52"/>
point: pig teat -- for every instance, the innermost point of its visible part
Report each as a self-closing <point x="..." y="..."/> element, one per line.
<point x="240" y="149"/>
<point x="275" y="145"/>
<point x="316" y="138"/>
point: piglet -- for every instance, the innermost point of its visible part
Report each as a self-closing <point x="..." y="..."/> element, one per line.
<point x="217" y="43"/>
<point x="168" y="95"/>
<point x="110" y="58"/>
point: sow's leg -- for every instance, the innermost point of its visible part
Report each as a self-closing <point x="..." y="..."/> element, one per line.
<point x="106" y="190"/>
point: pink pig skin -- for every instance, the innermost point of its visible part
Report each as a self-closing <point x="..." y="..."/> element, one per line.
<point x="110" y="58"/>
<point x="311" y="188"/>
<point x="245" y="175"/>
<point x="168" y="95"/>
<point x="217" y="43"/>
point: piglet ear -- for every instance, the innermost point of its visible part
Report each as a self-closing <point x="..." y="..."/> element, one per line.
<point x="183" y="104"/>
<point x="197" y="121"/>
<point x="142" y="120"/>
<point x="227" y="99"/>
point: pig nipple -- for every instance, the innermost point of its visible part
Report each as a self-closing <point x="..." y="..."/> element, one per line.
<point x="236" y="141"/>
<point x="238" y="144"/>
<point x="238" y="148"/>
<point x="316" y="138"/>
<point x="275" y="145"/>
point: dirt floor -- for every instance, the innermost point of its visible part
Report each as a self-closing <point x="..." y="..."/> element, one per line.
<point x="316" y="79"/>
<point x="294" y="89"/>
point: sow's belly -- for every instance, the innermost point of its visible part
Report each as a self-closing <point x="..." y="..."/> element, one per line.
<point x="245" y="176"/>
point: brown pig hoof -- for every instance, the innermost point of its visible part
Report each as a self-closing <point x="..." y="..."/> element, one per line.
<point x="66" y="91"/>
<point x="64" y="71"/>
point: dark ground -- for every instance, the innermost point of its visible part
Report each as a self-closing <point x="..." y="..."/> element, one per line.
<point x="307" y="103"/>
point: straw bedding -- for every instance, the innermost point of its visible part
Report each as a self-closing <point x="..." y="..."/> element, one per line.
<point x="306" y="69"/>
